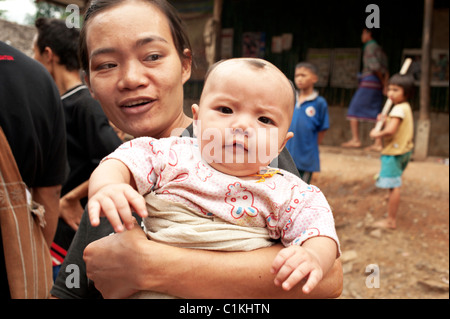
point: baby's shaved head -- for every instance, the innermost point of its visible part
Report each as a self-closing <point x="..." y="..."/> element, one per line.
<point x="256" y="64"/>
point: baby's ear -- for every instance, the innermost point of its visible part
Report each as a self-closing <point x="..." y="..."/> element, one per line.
<point x="195" y="108"/>
<point x="289" y="135"/>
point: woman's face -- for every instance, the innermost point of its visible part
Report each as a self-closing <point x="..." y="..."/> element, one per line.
<point x="135" y="71"/>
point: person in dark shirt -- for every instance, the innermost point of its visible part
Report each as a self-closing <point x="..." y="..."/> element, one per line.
<point x="89" y="134"/>
<point x="32" y="119"/>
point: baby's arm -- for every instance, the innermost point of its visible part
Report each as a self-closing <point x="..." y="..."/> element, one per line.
<point x="314" y="258"/>
<point x="111" y="193"/>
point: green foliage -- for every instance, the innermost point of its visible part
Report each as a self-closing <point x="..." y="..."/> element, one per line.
<point x="46" y="10"/>
<point x="2" y="12"/>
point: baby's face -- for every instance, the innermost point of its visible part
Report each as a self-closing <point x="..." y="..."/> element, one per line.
<point x="243" y="119"/>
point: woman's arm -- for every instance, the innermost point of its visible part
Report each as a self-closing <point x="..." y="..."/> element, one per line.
<point x="114" y="262"/>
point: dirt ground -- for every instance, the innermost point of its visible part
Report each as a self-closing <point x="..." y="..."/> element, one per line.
<point x="411" y="262"/>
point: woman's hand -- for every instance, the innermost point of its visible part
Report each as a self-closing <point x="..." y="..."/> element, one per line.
<point x="110" y="263"/>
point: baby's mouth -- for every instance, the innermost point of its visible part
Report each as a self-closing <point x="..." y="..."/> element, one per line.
<point x="238" y="145"/>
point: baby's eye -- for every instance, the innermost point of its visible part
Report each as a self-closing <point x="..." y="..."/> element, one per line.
<point x="265" y="120"/>
<point x="225" y="110"/>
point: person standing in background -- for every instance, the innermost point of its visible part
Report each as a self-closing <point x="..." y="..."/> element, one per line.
<point x="32" y="119"/>
<point x="367" y="102"/>
<point x="398" y="133"/>
<point x="309" y="123"/>
<point x="89" y="134"/>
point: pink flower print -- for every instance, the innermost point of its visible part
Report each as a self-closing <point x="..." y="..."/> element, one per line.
<point x="155" y="148"/>
<point x="271" y="185"/>
<point x="318" y="209"/>
<point x="150" y="177"/>
<point x="202" y="172"/>
<point x="292" y="205"/>
<point x="271" y="221"/>
<point x="295" y="200"/>
<point x="173" y="158"/>
<point x="286" y="228"/>
<point x="312" y="189"/>
<point x="241" y="200"/>
<point x="206" y="213"/>
<point x="181" y="177"/>
<point x="126" y="146"/>
<point x="154" y="179"/>
<point x="306" y="234"/>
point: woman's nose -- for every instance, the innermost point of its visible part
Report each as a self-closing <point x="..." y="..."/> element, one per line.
<point x="133" y="76"/>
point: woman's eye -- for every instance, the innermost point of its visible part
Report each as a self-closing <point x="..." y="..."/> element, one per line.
<point x="265" y="120"/>
<point x="105" y="66"/>
<point x="225" y="110"/>
<point x="153" y="57"/>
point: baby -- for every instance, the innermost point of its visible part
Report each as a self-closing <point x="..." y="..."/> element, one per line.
<point x="218" y="187"/>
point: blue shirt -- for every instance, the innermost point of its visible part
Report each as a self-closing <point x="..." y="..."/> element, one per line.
<point x="310" y="118"/>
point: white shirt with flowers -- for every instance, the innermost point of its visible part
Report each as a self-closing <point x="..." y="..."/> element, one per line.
<point x="172" y="168"/>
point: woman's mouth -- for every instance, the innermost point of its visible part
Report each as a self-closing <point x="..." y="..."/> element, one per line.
<point x="137" y="103"/>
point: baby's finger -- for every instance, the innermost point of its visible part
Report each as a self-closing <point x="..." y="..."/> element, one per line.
<point x="314" y="278"/>
<point x="94" y="212"/>
<point x="137" y="201"/>
<point x="110" y="211"/>
<point x="280" y="259"/>
<point x="295" y="276"/>
<point x="123" y="208"/>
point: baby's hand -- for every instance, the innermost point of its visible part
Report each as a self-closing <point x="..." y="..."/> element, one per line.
<point x="114" y="202"/>
<point x="294" y="263"/>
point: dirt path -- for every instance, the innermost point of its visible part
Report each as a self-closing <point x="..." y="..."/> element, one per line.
<point x="412" y="261"/>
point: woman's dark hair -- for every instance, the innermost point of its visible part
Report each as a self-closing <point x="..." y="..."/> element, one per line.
<point x="63" y="41"/>
<point x="405" y="81"/>
<point x="177" y="27"/>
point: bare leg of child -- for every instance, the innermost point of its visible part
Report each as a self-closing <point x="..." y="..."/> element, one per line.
<point x="377" y="146"/>
<point x="355" y="141"/>
<point x="391" y="221"/>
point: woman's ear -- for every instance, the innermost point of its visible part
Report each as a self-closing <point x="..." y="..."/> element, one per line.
<point x="186" y="64"/>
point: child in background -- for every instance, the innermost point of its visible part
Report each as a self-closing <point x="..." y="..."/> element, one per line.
<point x="398" y="132"/>
<point x="232" y="200"/>
<point x="309" y="122"/>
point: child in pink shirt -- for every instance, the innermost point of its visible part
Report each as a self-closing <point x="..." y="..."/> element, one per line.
<point x="230" y="198"/>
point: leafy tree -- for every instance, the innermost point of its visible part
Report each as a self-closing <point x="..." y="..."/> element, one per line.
<point x="46" y="10"/>
<point x="2" y="12"/>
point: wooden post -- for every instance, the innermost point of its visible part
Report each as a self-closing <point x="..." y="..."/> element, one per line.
<point x="217" y="16"/>
<point x="423" y="125"/>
